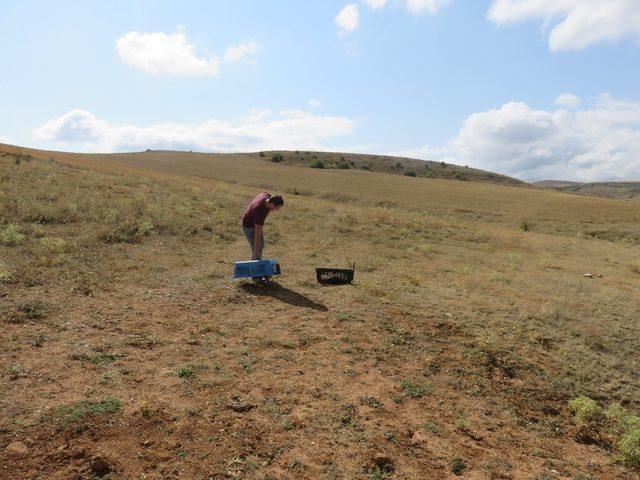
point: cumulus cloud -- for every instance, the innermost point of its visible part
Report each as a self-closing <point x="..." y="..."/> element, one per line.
<point x="568" y="100"/>
<point x="236" y="53"/>
<point x="429" y="6"/>
<point x="575" y="23"/>
<point x="74" y="126"/>
<point x="260" y="130"/>
<point x="375" y="4"/>
<point x="171" y="54"/>
<point x="348" y="18"/>
<point x="315" y="103"/>
<point x="601" y="142"/>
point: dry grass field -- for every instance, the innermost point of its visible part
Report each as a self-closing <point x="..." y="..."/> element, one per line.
<point x="471" y="344"/>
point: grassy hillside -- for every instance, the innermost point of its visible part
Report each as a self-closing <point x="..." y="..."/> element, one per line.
<point x="386" y="164"/>
<point x="602" y="189"/>
<point x="470" y="344"/>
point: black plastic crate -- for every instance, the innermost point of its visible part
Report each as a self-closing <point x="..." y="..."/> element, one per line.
<point x="335" y="276"/>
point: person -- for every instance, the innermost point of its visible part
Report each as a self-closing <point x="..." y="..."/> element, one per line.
<point x="253" y="221"/>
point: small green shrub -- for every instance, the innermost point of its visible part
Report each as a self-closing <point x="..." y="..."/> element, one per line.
<point x="458" y="466"/>
<point x="430" y="427"/>
<point x="461" y="423"/>
<point x="629" y="448"/>
<point x="414" y="390"/>
<point x="6" y="274"/>
<point x="410" y="173"/>
<point x="288" y="425"/>
<point x="515" y="260"/>
<point x="33" y="309"/>
<point x="145" y="228"/>
<point x="78" y="410"/>
<point x="635" y="268"/>
<point x="103" y="358"/>
<point x="125" y="232"/>
<point x="54" y="244"/>
<point x="187" y="371"/>
<point x="318" y="164"/>
<point x="344" y="166"/>
<point x="277" y="158"/>
<point x="11" y="236"/>
<point x="425" y="248"/>
<point x="379" y="473"/>
<point x="348" y="416"/>
<point x="584" y="410"/>
<point x="500" y="278"/>
<point x="524" y="226"/>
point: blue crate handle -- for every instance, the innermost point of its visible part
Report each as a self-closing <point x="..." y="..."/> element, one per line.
<point x="256" y="269"/>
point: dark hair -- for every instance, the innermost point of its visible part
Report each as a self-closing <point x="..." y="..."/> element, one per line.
<point x="276" y="200"/>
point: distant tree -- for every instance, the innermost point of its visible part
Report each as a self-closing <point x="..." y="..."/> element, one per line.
<point x="409" y="173"/>
<point x="344" y="166"/>
<point x="262" y="154"/>
<point x="278" y="157"/>
<point x="318" y="164"/>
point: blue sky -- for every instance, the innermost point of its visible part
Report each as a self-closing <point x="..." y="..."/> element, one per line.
<point x="470" y="82"/>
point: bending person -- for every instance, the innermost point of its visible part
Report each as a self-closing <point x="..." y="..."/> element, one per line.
<point x="254" y="218"/>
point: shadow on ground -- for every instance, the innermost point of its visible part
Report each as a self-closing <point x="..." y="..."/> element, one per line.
<point x="284" y="294"/>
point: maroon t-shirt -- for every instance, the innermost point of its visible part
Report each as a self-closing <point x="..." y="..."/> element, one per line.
<point x="256" y="212"/>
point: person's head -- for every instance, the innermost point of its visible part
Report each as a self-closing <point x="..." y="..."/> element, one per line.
<point x="274" y="202"/>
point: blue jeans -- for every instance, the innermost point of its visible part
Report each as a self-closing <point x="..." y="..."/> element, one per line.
<point x="250" y="233"/>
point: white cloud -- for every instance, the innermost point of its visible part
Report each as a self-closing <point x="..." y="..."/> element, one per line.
<point x="4" y="139"/>
<point x="568" y="100"/>
<point x="162" y="53"/>
<point x="347" y="19"/>
<point x="576" y="23"/>
<point x="422" y="6"/>
<point x="375" y="4"/>
<point x="235" y="53"/>
<point x="601" y="142"/>
<point x="315" y="103"/>
<point x="74" y="126"/>
<point x="427" y="152"/>
<point x="260" y="130"/>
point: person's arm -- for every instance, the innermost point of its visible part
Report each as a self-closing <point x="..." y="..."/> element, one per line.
<point x="257" y="241"/>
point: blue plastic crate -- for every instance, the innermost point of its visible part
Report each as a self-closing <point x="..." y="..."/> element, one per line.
<point x="256" y="269"/>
